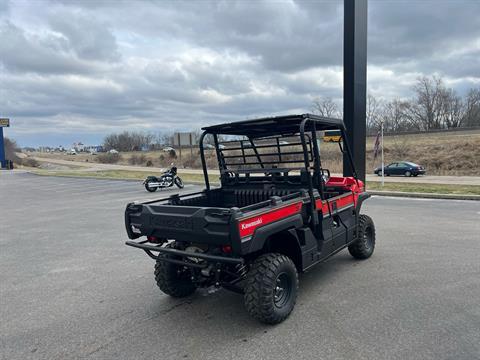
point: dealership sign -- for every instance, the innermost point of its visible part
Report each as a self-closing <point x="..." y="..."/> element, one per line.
<point x="4" y="122"/>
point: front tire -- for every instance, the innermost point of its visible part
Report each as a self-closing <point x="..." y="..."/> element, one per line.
<point x="173" y="280"/>
<point x="271" y="288"/>
<point x="408" y="173"/>
<point x="364" y="245"/>
<point x="179" y="183"/>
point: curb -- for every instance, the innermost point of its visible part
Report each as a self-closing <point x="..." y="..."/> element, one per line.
<point x="425" y="195"/>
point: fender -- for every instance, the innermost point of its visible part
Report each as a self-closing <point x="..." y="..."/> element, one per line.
<point x="261" y="234"/>
<point x="153" y="178"/>
<point x="361" y="198"/>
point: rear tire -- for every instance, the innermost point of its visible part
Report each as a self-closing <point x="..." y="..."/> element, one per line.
<point x="364" y="245"/>
<point x="271" y="288"/>
<point x="173" y="280"/>
<point x="150" y="189"/>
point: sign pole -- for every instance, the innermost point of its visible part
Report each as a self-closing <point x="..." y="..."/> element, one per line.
<point x="180" y="146"/>
<point x="4" y="122"/>
<point x="2" y="150"/>
<point x="191" y="146"/>
<point x="383" y="163"/>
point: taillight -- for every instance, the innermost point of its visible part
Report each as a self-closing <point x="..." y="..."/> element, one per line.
<point x="152" y="238"/>
<point x="227" y="249"/>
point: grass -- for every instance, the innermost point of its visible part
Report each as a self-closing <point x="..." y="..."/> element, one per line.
<point x="198" y="178"/>
<point x="118" y="174"/>
<point x="426" y="188"/>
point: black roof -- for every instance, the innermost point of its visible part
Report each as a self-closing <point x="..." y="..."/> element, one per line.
<point x="288" y="124"/>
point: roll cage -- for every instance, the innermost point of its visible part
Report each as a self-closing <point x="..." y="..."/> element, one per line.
<point x="269" y="132"/>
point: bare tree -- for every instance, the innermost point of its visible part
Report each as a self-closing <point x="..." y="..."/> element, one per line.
<point x="395" y="116"/>
<point x="453" y="109"/>
<point x="326" y="107"/>
<point x="433" y="106"/>
<point x="427" y="108"/>
<point x="374" y="112"/>
<point x="11" y="149"/>
<point x="128" y="141"/>
<point x="471" y="116"/>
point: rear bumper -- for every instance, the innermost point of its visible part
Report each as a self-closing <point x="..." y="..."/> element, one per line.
<point x="180" y="256"/>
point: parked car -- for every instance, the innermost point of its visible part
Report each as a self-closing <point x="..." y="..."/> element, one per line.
<point x="72" y="152"/>
<point x="113" y="151"/>
<point x="401" y="168"/>
<point x="168" y="149"/>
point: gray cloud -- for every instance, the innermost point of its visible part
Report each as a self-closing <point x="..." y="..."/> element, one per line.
<point x="84" y="36"/>
<point x="93" y="67"/>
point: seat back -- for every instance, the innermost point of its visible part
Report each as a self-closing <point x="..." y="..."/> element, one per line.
<point x="244" y="197"/>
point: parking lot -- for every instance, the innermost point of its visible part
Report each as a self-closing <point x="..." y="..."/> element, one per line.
<point x="70" y="289"/>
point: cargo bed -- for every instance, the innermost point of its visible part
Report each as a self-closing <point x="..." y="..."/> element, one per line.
<point x="208" y="217"/>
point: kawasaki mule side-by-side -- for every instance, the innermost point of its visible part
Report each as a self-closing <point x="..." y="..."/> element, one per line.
<point x="277" y="213"/>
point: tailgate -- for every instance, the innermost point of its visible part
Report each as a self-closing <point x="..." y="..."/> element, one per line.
<point x="185" y="223"/>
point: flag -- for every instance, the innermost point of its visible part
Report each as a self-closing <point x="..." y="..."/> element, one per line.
<point x="376" y="147"/>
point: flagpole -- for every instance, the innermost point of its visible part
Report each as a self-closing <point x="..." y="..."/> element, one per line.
<point x="383" y="164"/>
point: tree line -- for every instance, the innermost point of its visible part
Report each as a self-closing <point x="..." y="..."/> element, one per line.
<point x="136" y="141"/>
<point x="432" y="106"/>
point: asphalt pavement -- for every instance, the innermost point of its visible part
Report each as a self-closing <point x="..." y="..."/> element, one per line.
<point x="70" y="288"/>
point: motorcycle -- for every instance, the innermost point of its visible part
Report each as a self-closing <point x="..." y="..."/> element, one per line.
<point x="167" y="179"/>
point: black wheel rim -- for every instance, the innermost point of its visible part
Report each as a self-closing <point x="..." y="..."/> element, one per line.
<point x="283" y="290"/>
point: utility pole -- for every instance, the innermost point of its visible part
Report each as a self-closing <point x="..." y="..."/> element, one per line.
<point x="355" y="83"/>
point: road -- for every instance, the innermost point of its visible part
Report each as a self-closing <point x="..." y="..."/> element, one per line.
<point x="429" y="179"/>
<point x="70" y="289"/>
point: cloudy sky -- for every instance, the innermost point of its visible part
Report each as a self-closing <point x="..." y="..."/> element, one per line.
<point x="77" y="70"/>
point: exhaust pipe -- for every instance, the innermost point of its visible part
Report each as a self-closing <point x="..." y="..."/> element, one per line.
<point x="154" y="184"/>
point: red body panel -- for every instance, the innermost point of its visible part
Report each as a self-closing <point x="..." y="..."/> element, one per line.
<point x="345" y="183"/>
<point x="247" y="226"/>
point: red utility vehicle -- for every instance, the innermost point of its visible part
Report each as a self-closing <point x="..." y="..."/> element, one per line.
<point x="277" y="213"/>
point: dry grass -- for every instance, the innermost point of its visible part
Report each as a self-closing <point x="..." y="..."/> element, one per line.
<point x="441" y="153"/>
